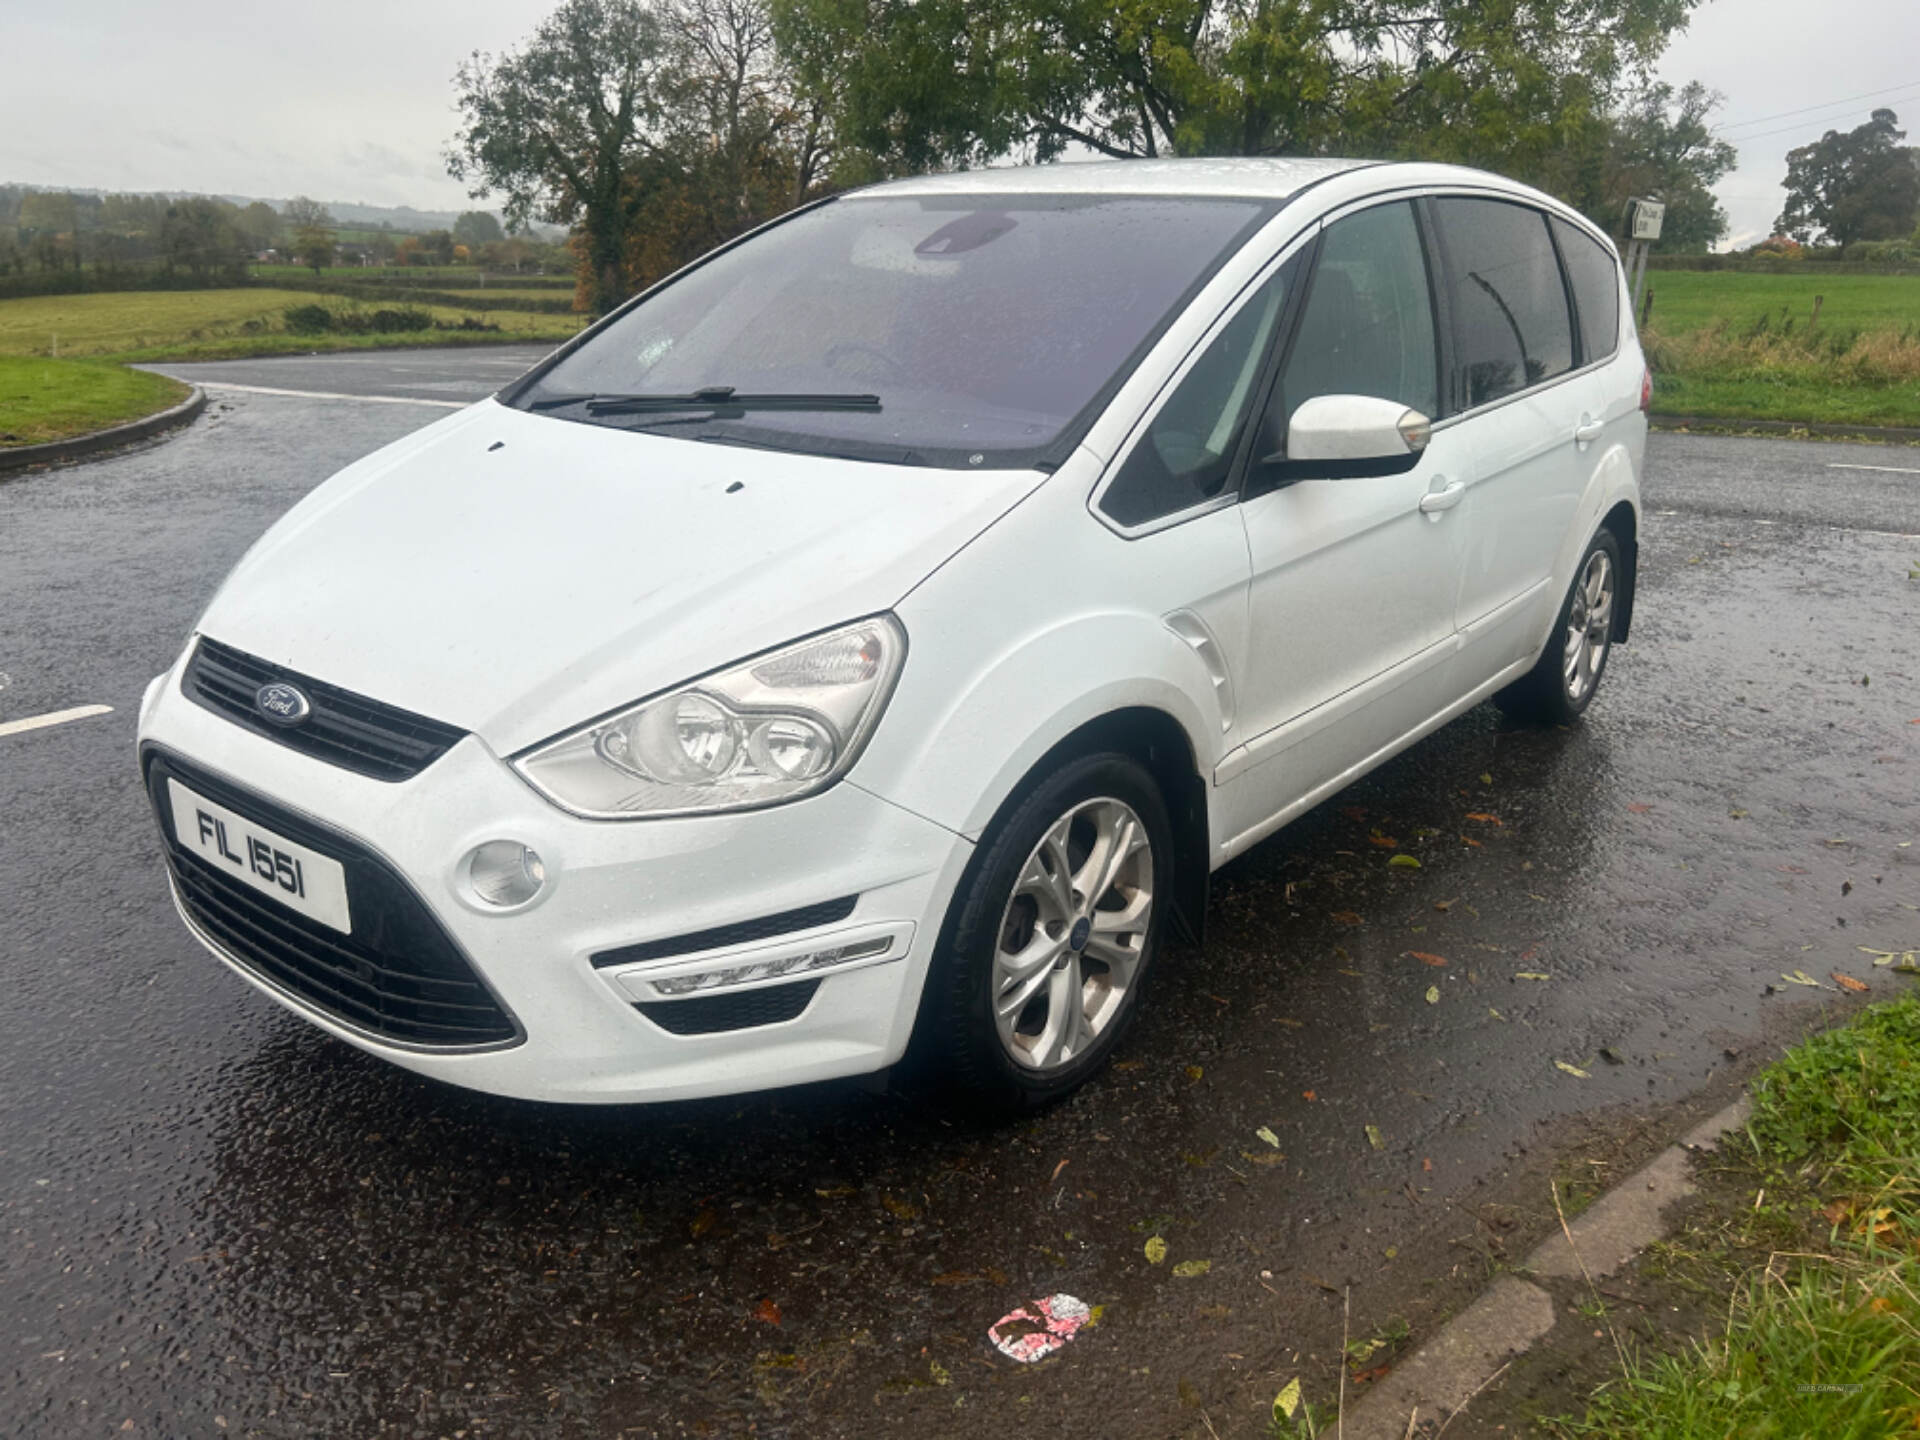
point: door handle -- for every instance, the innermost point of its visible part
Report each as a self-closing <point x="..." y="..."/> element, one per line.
<point x="1445" y="498"/>
<point x="1588" y="431"/>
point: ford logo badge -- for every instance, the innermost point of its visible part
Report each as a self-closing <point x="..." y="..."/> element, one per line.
<point x="282" y="703"/>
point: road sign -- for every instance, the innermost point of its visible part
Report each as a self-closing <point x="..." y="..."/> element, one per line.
<point x="1644" y="218"/>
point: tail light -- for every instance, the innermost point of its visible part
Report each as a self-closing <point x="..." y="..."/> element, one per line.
<point x="1646" y="391"/>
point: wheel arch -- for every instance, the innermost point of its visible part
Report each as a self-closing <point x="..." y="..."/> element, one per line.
<point x="1624" y="524"/>
<point x="1161" y="745"/>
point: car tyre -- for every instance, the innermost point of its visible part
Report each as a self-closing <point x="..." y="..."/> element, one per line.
<point x="1565" y="679"/>
<point x="1052" y="936"/>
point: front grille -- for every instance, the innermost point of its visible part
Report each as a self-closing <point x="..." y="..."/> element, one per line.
<point x="738" y="933"/>
<point x="398" y="977"/>
<point x="343" y="729"/>
<point x="710" y="1014"/>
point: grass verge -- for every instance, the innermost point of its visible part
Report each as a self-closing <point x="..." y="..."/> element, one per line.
<point x="223" y="324"/>
<point x="1817" y="374"/>
<point x="1808" y="1254"/>
<point x="44" y="400"/>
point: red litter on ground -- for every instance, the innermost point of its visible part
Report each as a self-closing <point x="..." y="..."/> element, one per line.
<point x="1035" y="1331"/>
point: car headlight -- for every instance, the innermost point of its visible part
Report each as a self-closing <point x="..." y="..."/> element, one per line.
<point x="777" y="727"/>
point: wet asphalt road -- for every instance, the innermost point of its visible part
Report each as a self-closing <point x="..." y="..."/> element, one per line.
<point x="218" y="1221"/>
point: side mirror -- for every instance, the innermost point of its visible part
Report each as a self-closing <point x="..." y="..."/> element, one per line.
<point x="1343" y="437"/>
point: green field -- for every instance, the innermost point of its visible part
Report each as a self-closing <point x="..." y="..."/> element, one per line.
<point x="42" y="400"/>
<point x="215" y="324"/>
<point x="1688" y="300"/>
<point x="1746" y="347"/>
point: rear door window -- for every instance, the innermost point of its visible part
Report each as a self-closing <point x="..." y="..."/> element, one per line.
<point x="1596" y="290"/>
<point x="1511" y="325"/>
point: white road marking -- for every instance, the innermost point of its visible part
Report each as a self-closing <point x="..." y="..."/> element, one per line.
<point x="1885" y="469"/>
<point x="332" y="395"/>
<point x="54" y="717"/>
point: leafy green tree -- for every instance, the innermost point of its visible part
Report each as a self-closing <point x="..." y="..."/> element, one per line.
<point x="1516" y="83"/>
<point x="50" y="228"/>
<point x="301" y="213"/>
<point x="259" y="223"/>
<point x="1863" y="185"/>
<point x="1660" y="144"/>
<point x="314" y="247"/>
<point x="476" y="228"/>
<point x="437" y="246"/>
<point x="557" y="126"/>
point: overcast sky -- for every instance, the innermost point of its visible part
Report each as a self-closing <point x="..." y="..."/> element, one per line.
<point x="352" y="100"/>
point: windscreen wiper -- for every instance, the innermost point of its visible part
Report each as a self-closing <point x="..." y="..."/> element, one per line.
<point x="712" y="397"/>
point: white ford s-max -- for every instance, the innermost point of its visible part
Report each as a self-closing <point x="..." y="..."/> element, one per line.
<point x="880" y="629"/>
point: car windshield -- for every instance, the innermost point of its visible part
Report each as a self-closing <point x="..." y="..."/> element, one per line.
<point x="983" y="326"/>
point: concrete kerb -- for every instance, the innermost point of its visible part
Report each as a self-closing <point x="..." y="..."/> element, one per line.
<point x="1474" y="1347"/>
<point x="1806" y="430"/>
<point x="21" y="457"/>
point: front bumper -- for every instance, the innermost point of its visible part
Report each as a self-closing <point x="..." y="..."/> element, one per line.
<point x="613" y="886"/>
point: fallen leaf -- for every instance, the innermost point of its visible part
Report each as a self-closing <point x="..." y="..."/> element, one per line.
<point x="1306" y="1095"/>
<point x="1188" y="1269"/>
<point x="1445" y="905"/>
<point x="1385" y="842"/>
<point x="941" y="1375"/>
<point x="1532" y="975"/>
<point x="1194" y="1072"/>
<point x="1267" y="1135"/>
<point x="1344" y="917"/>
<point x="1287" y="1403"/>
<point x="1495" y="1013"/>
<point x="1887" y="957"/>
<point x="1156" y="1250"/>
<point x="1573" y="1070"/>
<point x="833" y="1192"/>
<point x="1375" y="1138"/>
<point x="1469" y="840"/>
<point x="1262" y="1157"/>
<point x="1638" y="807"/>
<point x="1405" y="862"/>
<point x="767" y="1313"/>
<point x="1056" y="1171"/>
<point x="702" y="1223"/>
<point x="1354" y="812"/>
<point x="1367" y="1377"/>
<point x="900" y="1209"/>
<point x="1433" y="995"/>
<point x="1425" y="957"/>
<point x="1486" y="778"/>
<point x="1800" y="977"/>
<point x="1426" y="1166"/>
<point x="1484" y="817"/>
<point x="1847" y="982"/>
<point x="955" y="1277"/>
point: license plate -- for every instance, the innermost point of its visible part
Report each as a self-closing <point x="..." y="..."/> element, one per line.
<point x="303" y="880"/>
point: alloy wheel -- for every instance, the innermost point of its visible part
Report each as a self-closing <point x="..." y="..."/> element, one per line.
<point x="1589" y="627"/>
<point x="1074" y="933"/>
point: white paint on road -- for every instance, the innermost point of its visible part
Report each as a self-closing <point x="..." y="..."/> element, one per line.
<point x="53" y="717"/>
<point x="1883" y="469"/>
<point x="332" y="395"/>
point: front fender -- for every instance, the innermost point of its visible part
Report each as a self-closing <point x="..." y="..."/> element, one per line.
<point x="954" y="752"/>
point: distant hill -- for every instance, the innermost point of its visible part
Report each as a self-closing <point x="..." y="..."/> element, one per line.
<point x="401" y="219"/>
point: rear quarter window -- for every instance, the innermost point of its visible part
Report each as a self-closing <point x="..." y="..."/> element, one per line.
<point x="1595" y="278"/>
